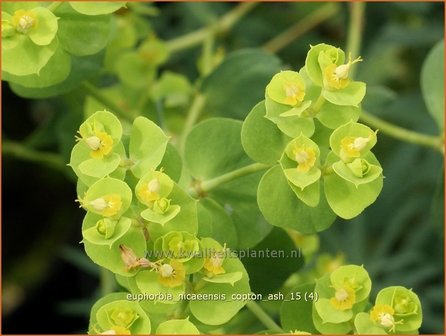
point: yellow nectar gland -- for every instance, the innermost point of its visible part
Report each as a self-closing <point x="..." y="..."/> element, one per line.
<point x="383" y="315"/>
<point x="171" y="274"/>
<point x="352" y="146"/>
<point x="107" y="206"/>
<point x="100" y="144"/>
<point x="24" y="20"/>
<point x="337" y="77"/>
<point x="150" y="192"/>
<point x="214" y="264"/>
<point x="294" y="93"/>
<point x="305" y="158"/>
<point x="344" y="298"/>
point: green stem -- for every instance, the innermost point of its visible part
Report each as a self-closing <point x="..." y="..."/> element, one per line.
<point x="48" y="159"/>
<point x="401" y="133"/>
<point x="318" y="104"/>
<point x="192" y="117"/>
<point x="215" y="182"/>
<point x="107" y="281"/>
<point x="206" y="55"/>
<point x="100" y="97"/>
<point x="55" y="5"/>
<point x="306" y="24"/>
<point x="355" y="29"/>
<point x="327" y="170"/>
<point x="208" y="185"/>
<point x="223" y="25"/>
<point x="263" y="317"/>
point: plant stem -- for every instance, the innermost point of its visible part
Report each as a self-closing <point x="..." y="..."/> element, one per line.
<point x="99" y="96"/>
<point x="208" y="185"/>
<point x="215" y="182"/>
<point x="223" y="25"/>
<point x="55" y="5"/>
<point x="298" y="29"/>
<point x="107" y="281"/>
<point x="192" y="117"/>
<point x="206" y="55"/>
<point x="267" y="321"/>
<point x="355" y="29"/>
<point x="51" y="160"/>
<point x="403" y="134"/>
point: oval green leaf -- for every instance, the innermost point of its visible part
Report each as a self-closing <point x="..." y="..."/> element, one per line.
<point x="346" y="199"/>
<point x="55" y="71"/>
<point x="177" y="327"/>
<point x="261" y="139"/>
<point x="432" y="83"/>
<point x="241" y="79"/>
<point x="80" y="34"/>
<point x="97" y="8"/>
<point x="297" y="314"/>
<point x="282" y="208"/>
<point x="147" y="146"/>
<point x="213" y="147"/>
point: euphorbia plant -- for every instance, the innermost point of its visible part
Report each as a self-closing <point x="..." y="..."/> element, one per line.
<point x="143" y="225"/>
<point x="167" y="212"/>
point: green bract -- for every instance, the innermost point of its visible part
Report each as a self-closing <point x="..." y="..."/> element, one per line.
<point x="406" y="305"/>
<point x="172" y="87"/>
<point x="333" y="116"/>
<point x="29" y="40"/>
<point x="169" y="234"/>
<point x="99" y="150"/>
<point x="32" y="57"/>
<point x="183" y="247"/>
<point x="259" y="130"/>
<point x="282" y="205"/>
<point x="101" y="121"/>
<point x="97" y="8"/>
<point x="82" y="35"/>
<point x="38" y="43"/>
<point x="297" y="314"/>
<point x="341" y="294"/>
<point x="177" y="327"/>
<point x="153" y="190"/>
<point x="147" y="146"/>
<point x="55" y="71"/>
<point x="396" y="310"/>
<point x="114" y="314"/>
<point x="107" y="197"/>
<point x="183" y="219"/>
<point x="352" y="140"/>
<point x="111" y="256"/>
<point x="325" y="67"/>
<point x="134" y="71"/>
<point x="289" y="121"/>
<point x="300" y="162"/>
<point x="351" y="175"/>
<point x="105" y="231"/>
<point x="234" y="284"/>
<point x="287" y="87"/>
<point x="322" y="53"/>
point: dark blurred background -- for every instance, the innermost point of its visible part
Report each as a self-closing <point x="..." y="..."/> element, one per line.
<point x="48" y="282"/>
